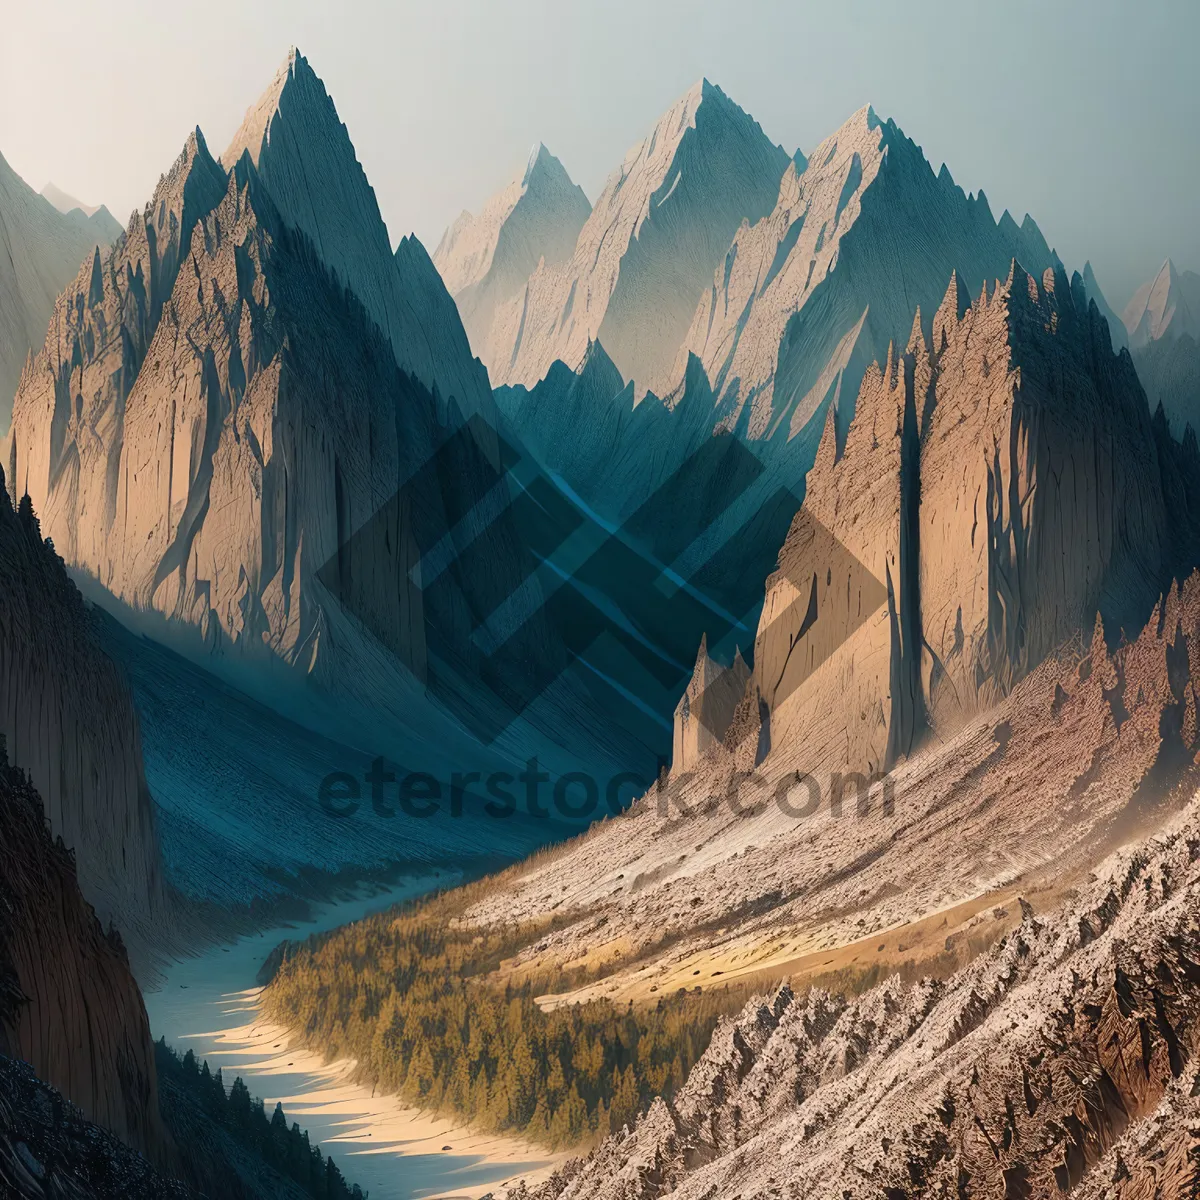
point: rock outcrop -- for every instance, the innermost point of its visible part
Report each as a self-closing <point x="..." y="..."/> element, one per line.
<point x="40" y="250"/>
<point x="648" y="250"/>
<point x="706" y="709"/>
<point x="307" y="164"/>
<point x="486" y="259"/>
<point x="999" y="489"/>
<point x="68" y="1003"/>
<point x="67" y="719"/>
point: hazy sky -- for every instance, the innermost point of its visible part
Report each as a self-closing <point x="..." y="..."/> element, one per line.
<point x="1085" y="113"/>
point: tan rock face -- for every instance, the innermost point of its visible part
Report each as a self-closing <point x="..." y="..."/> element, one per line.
<point x="706" y="709"/>
<point x="225" y="443"/>
<point x="306" y="161"/>
<point x="992" y="496"/>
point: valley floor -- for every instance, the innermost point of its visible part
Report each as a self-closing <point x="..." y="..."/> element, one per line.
<point x="208" y="1003"/>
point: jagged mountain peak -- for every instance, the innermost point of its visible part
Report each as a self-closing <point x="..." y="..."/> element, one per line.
<point x="307" y="162"/>
<point x="645" y="254"/>
<point x="1167" y="306"/>
<point x="866" y="197"/>
<point x="294" y="76"/>
<point x="486" y="258"/>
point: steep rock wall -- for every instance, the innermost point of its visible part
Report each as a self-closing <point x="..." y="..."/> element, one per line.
<point x="68" y="1004"/>
<point x="67" y="718"/>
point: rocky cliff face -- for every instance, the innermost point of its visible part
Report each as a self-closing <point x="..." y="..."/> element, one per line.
<point x="40" y="250"/>
<point x="999" y="490"/>
<point x="648" y="249"/>
<point x="218" y="432"/>
<point x="306" y="162"/>
<point x="808" y="297"/>
<point x="67" y="719"/>
<point x="68" y="1003"/>
<point x="486" y="259"/>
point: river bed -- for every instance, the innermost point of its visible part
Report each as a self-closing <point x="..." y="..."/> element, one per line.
<point x="209" y="1004"/>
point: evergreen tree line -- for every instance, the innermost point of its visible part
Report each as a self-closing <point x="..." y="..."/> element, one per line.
<point x="287" y="1150"/>
<point x="408" y="996"/>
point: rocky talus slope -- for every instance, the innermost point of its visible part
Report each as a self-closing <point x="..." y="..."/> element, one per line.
<point x="68" y="1003"/>
<point x="40" y="250"/>
<point x="647" y="251"/>
<point x="486" y="258"/>
<point x="894" y="771"/>
<point x="1062" y="1061"/>
<point x="68" y="720"/>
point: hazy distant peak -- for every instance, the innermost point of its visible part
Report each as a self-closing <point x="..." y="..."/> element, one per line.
<point x="1165" y="307"/>
<point x="486" y="258"/>
<point x="65" y="202"/>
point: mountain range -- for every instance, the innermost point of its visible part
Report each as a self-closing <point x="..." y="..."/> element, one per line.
<point x="41" y="248"/>
<point x="796" y="486"/>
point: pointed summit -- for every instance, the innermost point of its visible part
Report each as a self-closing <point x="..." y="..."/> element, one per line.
<point x="486" y="259"/>
<point x="306" y="161"/>
<point x="647" y="252"/>
<point x="763" y="330"/>
<point x="1165" y="307"/>
<point x="41" y="249"/>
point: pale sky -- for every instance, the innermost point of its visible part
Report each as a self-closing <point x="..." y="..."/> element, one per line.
<point x="1085" y="113"/>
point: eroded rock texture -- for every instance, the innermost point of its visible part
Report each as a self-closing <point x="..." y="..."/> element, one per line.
<point x="67" y="718"/>
<point x="219" y="433"/>
<point x="809" y="296"/>
<point x="68" y="1003"/>
<point x="994" y="492"/>
<point x="706" y="708"/>
<point x="1063" y="1060"/>
<point x="307" y="163"/>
